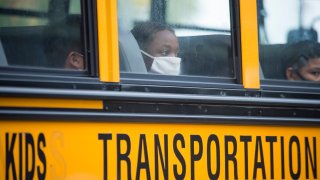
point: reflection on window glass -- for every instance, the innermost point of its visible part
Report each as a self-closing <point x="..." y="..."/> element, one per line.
<point x="175" y="37"/>
<point x="75" y="7"/>
<point x="24" y="8"/>
<point x="31" y="5"/>
<point x="197" y="15"/>
<point x="289" y="42"/>
<point x="54" y="43"/>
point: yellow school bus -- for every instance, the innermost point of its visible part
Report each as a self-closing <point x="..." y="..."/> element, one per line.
<point x="77" y="100"/>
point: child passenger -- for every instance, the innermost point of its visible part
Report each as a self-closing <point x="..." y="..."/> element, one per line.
<point x="302" y="61"/>
<point x="159" y="47"/>
<point x="63" y="48"/>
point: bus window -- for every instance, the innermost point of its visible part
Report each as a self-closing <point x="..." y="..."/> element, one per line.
<point x="289" y="42"/>
<point x="198" y="32"/>
<point x="42" y="33"/>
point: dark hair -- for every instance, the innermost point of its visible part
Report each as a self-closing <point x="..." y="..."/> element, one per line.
<point x="298" y="54"/>
<point x="59" y="40"/>
<point x="145" y="31"/>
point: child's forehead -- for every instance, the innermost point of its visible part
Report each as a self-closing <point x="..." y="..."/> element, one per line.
<point x="164" y="36"/>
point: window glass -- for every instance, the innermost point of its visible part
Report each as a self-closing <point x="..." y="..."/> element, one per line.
<point x="289" y="41"/>
<point x="17" y="12"/>
<point x="75" y="7"/>
<point x="31" y="36"/>
<point x="175" y="37"/>
<point x="32" y="5"/>
<point x="196" y="14"/>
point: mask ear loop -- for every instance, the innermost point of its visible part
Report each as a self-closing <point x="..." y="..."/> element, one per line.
<point x="147" y="54"/>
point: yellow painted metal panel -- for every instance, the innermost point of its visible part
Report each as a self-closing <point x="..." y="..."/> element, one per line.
<point x="249" y="44"/>
<point x="50" y="103"/>
<point x="108" y="41"/>
<point x="95" y="150"/>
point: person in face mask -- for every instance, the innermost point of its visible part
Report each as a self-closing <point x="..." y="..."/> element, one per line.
<point x="159" y="47"/>
<point x="302" y="61"/>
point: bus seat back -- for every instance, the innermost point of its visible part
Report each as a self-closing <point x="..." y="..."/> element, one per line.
<point x="3" y="59"/>
<point x="129" y="52"/>
<point x="207" y="55"/>
<point x="23" y="46"/>
<point x="271" y="61"/>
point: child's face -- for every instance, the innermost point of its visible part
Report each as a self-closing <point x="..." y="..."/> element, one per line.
<point x="164" y="43"/>
<point x="311" y="71"/>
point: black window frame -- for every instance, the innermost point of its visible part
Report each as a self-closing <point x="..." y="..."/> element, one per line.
<point x="28" y="76"/>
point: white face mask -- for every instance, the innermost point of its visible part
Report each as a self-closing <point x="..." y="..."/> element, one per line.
<point x="165" y="65"/>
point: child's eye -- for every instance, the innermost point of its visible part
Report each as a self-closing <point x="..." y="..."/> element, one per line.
<point x="315" y="73"/>
<point x="164" y="52"/>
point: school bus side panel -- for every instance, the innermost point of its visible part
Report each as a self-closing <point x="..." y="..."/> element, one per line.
<point x="95" y="150"/>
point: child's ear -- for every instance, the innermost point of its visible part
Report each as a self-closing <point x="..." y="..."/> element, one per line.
<point x="290" y="74"/>
<point x="74" y="61"/>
